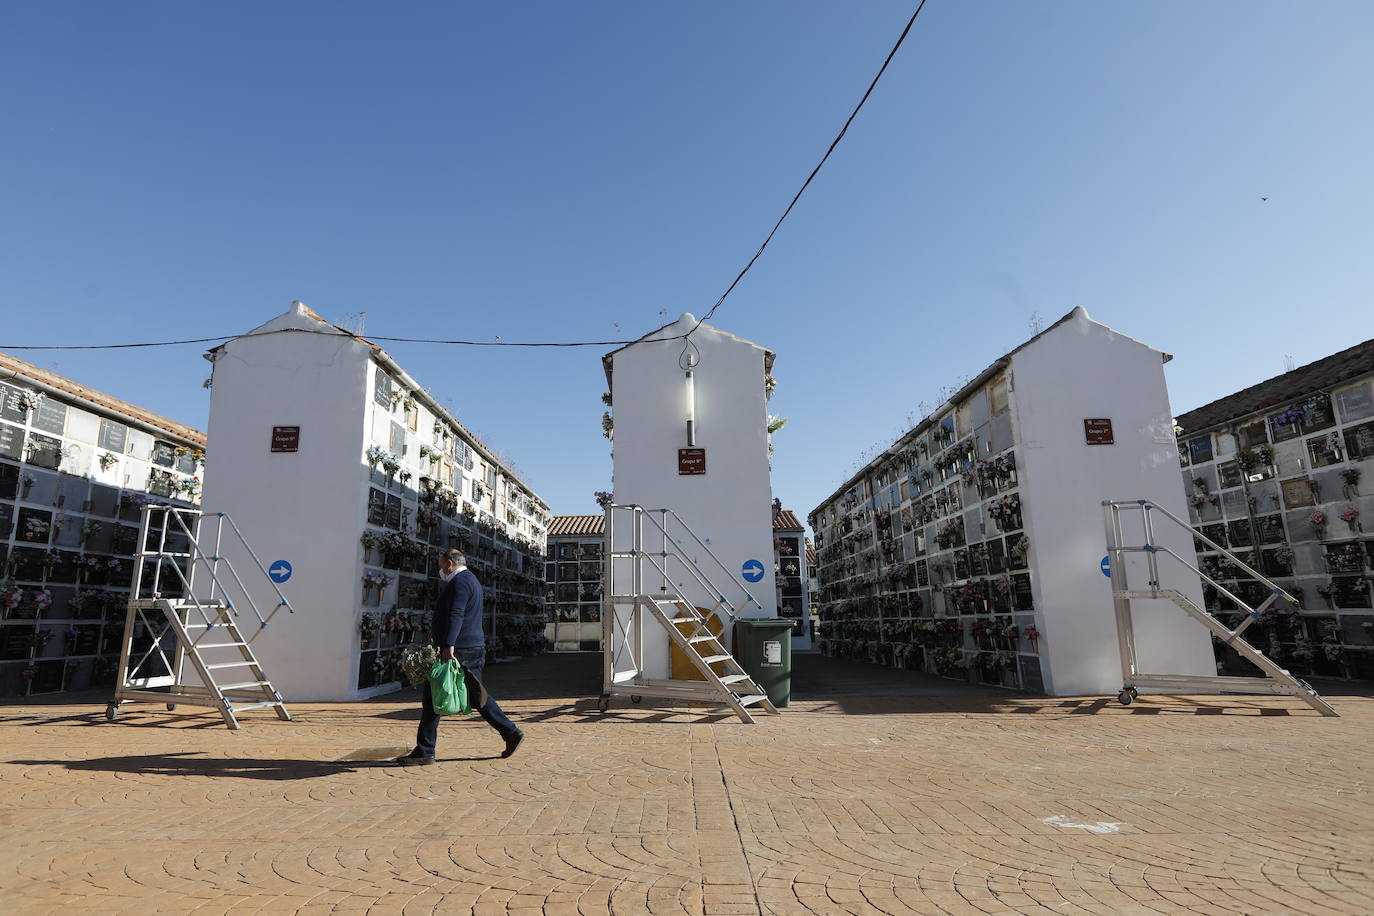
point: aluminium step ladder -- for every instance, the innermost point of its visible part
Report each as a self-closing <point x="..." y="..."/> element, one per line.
<point x="1277" y="680"/>
<point x="191" y="618"/>
<point x="623" y="617"/>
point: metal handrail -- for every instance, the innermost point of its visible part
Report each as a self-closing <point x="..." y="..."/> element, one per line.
<point x="219" y="589"/>
<point x="690" y="566"/>
<point x="749" y="597"/>
<point x="1146" y="506"/>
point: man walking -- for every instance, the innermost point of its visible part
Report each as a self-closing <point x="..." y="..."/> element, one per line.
<point x="457" y="632"/>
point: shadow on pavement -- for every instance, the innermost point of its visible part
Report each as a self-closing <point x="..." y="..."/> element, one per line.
<point x="188" y="764"/>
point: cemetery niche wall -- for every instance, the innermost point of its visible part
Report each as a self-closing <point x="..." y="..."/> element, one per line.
<point x="373" y="482"/>
<point x="76" y="468"/>
<point x="971" y="547"/>
<point x="1282" y="474"/>
<point x="713" y="472"/>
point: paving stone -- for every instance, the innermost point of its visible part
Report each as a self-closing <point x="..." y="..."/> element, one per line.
<point x="845" y="804"/>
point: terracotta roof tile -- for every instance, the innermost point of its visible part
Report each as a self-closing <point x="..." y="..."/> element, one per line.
<point x="112" y="404"/>
<point x="1323" y="374"/>
<point x="785" y="520"/>
<point x="582" y="525"/>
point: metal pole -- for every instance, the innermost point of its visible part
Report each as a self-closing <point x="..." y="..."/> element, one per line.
<point x="1116" y="560"/>
<point x="637" y="579"/>
<point x="607" y="605"/>
<point x="1151" y="556"/>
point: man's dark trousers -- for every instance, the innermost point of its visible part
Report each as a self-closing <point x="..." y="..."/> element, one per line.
<point x="427" y="735"/>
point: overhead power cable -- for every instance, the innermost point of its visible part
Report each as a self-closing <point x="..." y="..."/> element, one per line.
<point x="333" y="333"/>
<point x="581" y="343"/>
<point x="807" y="183"/>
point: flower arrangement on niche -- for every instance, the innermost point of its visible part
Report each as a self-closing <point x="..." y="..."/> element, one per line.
<point x="1351" y="517"/>
<point x="30" y="400"/>
<point x="1318" y="522"/>
<point x="1351" y="478"/>
<point x="1251" y="457"/>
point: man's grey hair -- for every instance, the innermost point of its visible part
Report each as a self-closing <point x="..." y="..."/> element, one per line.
<point x="456" y="556"/>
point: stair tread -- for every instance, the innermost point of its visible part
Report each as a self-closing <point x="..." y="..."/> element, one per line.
<point x="712" y="659"/>
<point x="734" y="678"/>
<point x="245" y="684"/>
<point x="696" y="639"/>
<point x="219" y="665"/>
<point x="752" y="699"/>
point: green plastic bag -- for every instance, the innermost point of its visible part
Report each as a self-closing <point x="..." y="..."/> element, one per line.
<point x="448" y="688"/>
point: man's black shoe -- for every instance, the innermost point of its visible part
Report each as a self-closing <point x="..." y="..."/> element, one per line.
<point x="512" y="742"/>
<point x="414" y="759"/>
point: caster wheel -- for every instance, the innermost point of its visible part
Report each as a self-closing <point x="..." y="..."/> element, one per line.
<point x="171" y="706"/>
<point x="1126" y="697"/>
<point x="635" y="699"/>
<point x="111" y="712"/>
<point x="1135" y="694"/>
<point x="603" y="704"/>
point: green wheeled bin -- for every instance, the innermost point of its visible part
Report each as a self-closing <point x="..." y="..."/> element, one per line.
<point x="763" y="647"/>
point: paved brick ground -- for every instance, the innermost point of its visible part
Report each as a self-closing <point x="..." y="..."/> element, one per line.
<point x="850" y="803"/>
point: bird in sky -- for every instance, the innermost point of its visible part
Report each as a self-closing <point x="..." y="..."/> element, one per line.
<point x="1264" y="198"/>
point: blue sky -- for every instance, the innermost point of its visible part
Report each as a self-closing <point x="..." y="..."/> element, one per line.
<point x="571" y="171"/>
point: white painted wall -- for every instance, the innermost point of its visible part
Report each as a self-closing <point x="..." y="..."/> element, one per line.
<point x="731" y="504"/>
<point x="301" y="507"/>
<point x="1078" y="370"/>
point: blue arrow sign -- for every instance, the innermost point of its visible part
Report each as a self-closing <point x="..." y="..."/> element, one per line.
<point x="1107" y="567"/>
<point x="280" y="571"/>
<point x="752" y="570"/>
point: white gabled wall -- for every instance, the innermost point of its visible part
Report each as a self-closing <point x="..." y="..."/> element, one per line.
<point x="731" y="504"/>
<point x="302" y="507"/>
<point x="1083" y="369"/>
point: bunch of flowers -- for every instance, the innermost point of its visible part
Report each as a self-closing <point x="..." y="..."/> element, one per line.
<point x="11" y="596"/>
<point x="375" y="580"/>
<point x="30" y="399"/>
<point x="416" y="662"/>
<point x="368" y="627"/>
<point x="85" y="597"/>
<point x="1351" y="476"/>
<point x="1351" y="517"/>
<point x="91" y="528"/>
<point x="36" y="528"/>
<point x="107" y="460"/>
<point x="1318" y="521"/>
<point x="1030" y="633"/>
<point x="41" y="637"/>
<point x="39" y="599"/>
<point x="426" y="517"/>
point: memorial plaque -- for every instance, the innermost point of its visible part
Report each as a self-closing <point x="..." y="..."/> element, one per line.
<point x="1350" y="591"/>
<point x="16" y="640"/>
<point x="1270" y="529"/>
<point x="6" y="520"/>
<point x="9" y="403"/>
<point x="1031" y="679"/>
<point x="11" y="441"/>
<point x="286" y="438"/>
<point x="45" y="451"/>
<point x="51" y="416"/>
<point x="113" y="436"/>
<point x="691" y="461"/>
<point x="48" y="679"/>
<point x="87" y="641"/>
<point x="1297" y="493"/>
<point x="1021" y="592"/>
<point x="1359" y="441"/>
